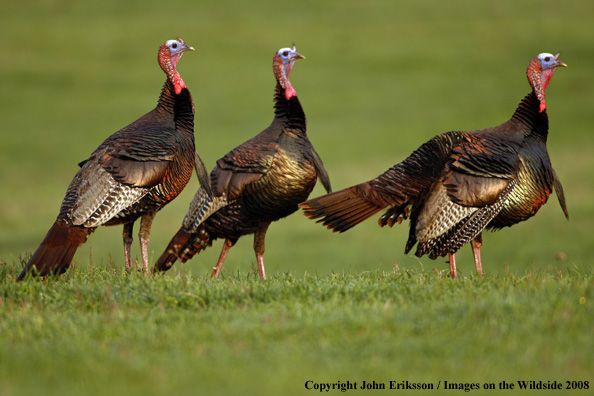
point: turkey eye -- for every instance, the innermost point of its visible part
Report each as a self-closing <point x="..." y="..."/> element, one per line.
<point x="286" y="53"/>
<point x="548" y="58"/>
<point x="174" y="45"/>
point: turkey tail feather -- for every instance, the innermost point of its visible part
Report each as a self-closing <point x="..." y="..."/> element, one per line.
<point x="340" y="210"/>
<point x="57" y="250"/>
<point x="184" y="245"/>
<point x="560" y="195"/>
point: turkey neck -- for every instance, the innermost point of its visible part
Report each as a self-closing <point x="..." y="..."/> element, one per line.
<point x="289" y="111"/>
<point x="529" y="120"/>
<point x="180" y="106"/>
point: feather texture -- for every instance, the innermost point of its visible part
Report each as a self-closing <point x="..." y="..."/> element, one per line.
<point x="258" y="182"/>
<point x="458" y="183"/>
<point x="133" y="173"/>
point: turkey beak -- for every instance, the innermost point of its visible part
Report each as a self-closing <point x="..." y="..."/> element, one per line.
<point x="558" y="62"/>
<point x="298" y="56"/>
<point x="184" y="47"/>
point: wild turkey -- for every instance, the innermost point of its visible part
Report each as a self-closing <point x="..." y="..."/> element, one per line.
<point x="258" y="182"/>
<point x="459" y="183"/>
<point x="132" y="174"/>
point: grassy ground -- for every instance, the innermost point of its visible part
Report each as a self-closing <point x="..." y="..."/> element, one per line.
<point x="105" y="331"/>
<point x="380" y="78"/>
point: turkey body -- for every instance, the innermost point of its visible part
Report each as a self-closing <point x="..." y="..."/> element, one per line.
<point x="138" y="169"/>
<point x="258" y="182"/>
<point x="457" y="184"/>
<point x="286" y="174"/>
<point x="132" y="174"/>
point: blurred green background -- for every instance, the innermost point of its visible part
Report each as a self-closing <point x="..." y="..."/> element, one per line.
<point x="380" y="78"/>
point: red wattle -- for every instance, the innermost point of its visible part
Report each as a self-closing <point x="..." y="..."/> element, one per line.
<point x="290" y="92"/>
<point x="178" y="87"/>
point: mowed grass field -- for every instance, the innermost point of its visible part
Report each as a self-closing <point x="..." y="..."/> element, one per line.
<point x="380" y="79"/>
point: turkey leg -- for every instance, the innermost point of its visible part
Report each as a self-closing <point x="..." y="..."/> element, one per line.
<point x="226" y="246"/>
<point x="476" y="244"/>
<point x="453" y="270"/>
<point x="128" y="239"/>
<point x="259" y="248"/>
<point x="145" y="236"/>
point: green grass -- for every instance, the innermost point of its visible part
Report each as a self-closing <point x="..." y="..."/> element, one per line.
<point x="380" y="78"/>
<point x="186" y="335"/>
